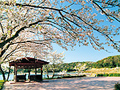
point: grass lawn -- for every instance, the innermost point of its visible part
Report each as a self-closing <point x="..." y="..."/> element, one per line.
<point x="95" y="71"/>
<point x="103" y="70"/>
<point x="1" y="84"/>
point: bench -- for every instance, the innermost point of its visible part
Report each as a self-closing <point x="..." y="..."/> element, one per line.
<point x="36" y="77"/>
<point x="21" y="78"/>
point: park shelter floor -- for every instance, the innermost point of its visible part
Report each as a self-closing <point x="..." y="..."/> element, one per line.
<point x="84" y="83"/>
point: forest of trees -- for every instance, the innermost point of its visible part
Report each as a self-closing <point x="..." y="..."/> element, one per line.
<point x="109" y="62"/>
<point x="67" y="66"/>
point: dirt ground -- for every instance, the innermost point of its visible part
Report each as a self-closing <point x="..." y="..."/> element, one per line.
<point x="84" y="83"/>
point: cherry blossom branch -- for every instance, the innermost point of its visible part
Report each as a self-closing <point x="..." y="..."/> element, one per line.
<point x="17" y="33"/>
<point x="14" y="27"/>
<point x="34" y="41"/>
<point x="108" y="3"/>
<point x="3" y="51"/>
<point x="10" y="53"/>
<point x="92" y="27"/>
<point x="63" y="27"/>
<point x="60" y="12"/>
<point x="105" y="12"/>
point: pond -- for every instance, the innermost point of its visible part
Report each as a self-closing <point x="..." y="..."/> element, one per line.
<point x="12" y="76"/>
<point x="44" y="75"/>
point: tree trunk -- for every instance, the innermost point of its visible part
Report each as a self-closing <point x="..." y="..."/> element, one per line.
<point x="53" y="73"/>
<point x="47" y="74"/>
<point x="53" y="70"/>
<point x="3" y="74"/>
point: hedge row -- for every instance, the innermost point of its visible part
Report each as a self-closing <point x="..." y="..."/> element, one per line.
<point x="111" y="74"/>
<point x="71" y="76"/>
<point x="74" y="76"/>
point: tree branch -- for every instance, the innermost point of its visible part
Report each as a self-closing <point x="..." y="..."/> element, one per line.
<point x="9" y="54"/>
<point x="108" y="3"/>
<point x="105" y="12"/>
<point x="34" y="41"/>
<point x="3" y="51"/>
<point x="59" y="10"/>
<point x="1" y="27"/>
<point x="17" y="33"/>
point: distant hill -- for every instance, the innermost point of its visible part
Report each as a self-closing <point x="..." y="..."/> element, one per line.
<point x="109" y="62"/>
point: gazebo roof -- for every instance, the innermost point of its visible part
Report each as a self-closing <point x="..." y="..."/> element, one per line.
<point x="28" y="63"/>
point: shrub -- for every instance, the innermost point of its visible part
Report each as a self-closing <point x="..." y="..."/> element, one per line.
<point x="106" y="75"/>
<point x="66" y="76"/>
<point x="1" y="81"/>
<point x="115" y="74"/>
<point x="74" y="76"/>
<point x="111" y="74"/>
<point x="117" y="86"/>
<point x="99" y="75"/>
<point x="1" y="84"/>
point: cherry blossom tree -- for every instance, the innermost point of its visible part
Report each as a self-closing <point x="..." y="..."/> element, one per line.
<point x="80" y="67"/>
<point x="21" y="48"/>
<point x="58" y="21"/>
<point x="78" y="24"/>
<point x="55" y="60"/>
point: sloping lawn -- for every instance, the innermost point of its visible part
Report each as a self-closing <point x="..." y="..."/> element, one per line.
<point x="1" y="84"/>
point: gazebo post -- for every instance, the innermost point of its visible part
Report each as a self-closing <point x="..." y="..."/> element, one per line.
<point x="35" y="73"/>
<point x="15" y="73"/>
<point x="29" y="75"/>
<point x="41" y="72"/>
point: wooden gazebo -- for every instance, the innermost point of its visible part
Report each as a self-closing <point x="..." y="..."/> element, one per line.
<point x="27" y="63"/>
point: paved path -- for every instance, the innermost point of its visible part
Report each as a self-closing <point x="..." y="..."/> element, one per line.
<point x="86" y="83"/>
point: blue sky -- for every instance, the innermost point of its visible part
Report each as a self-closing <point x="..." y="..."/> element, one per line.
<point x="85" y="53"/>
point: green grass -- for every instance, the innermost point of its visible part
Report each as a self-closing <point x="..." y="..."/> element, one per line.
<point x="1" y="84"/>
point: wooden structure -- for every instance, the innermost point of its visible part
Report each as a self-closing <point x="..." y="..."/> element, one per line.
<point x="27" y="63"/>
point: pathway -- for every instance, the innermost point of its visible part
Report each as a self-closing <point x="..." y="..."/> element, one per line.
<point x="85" y="83"/>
